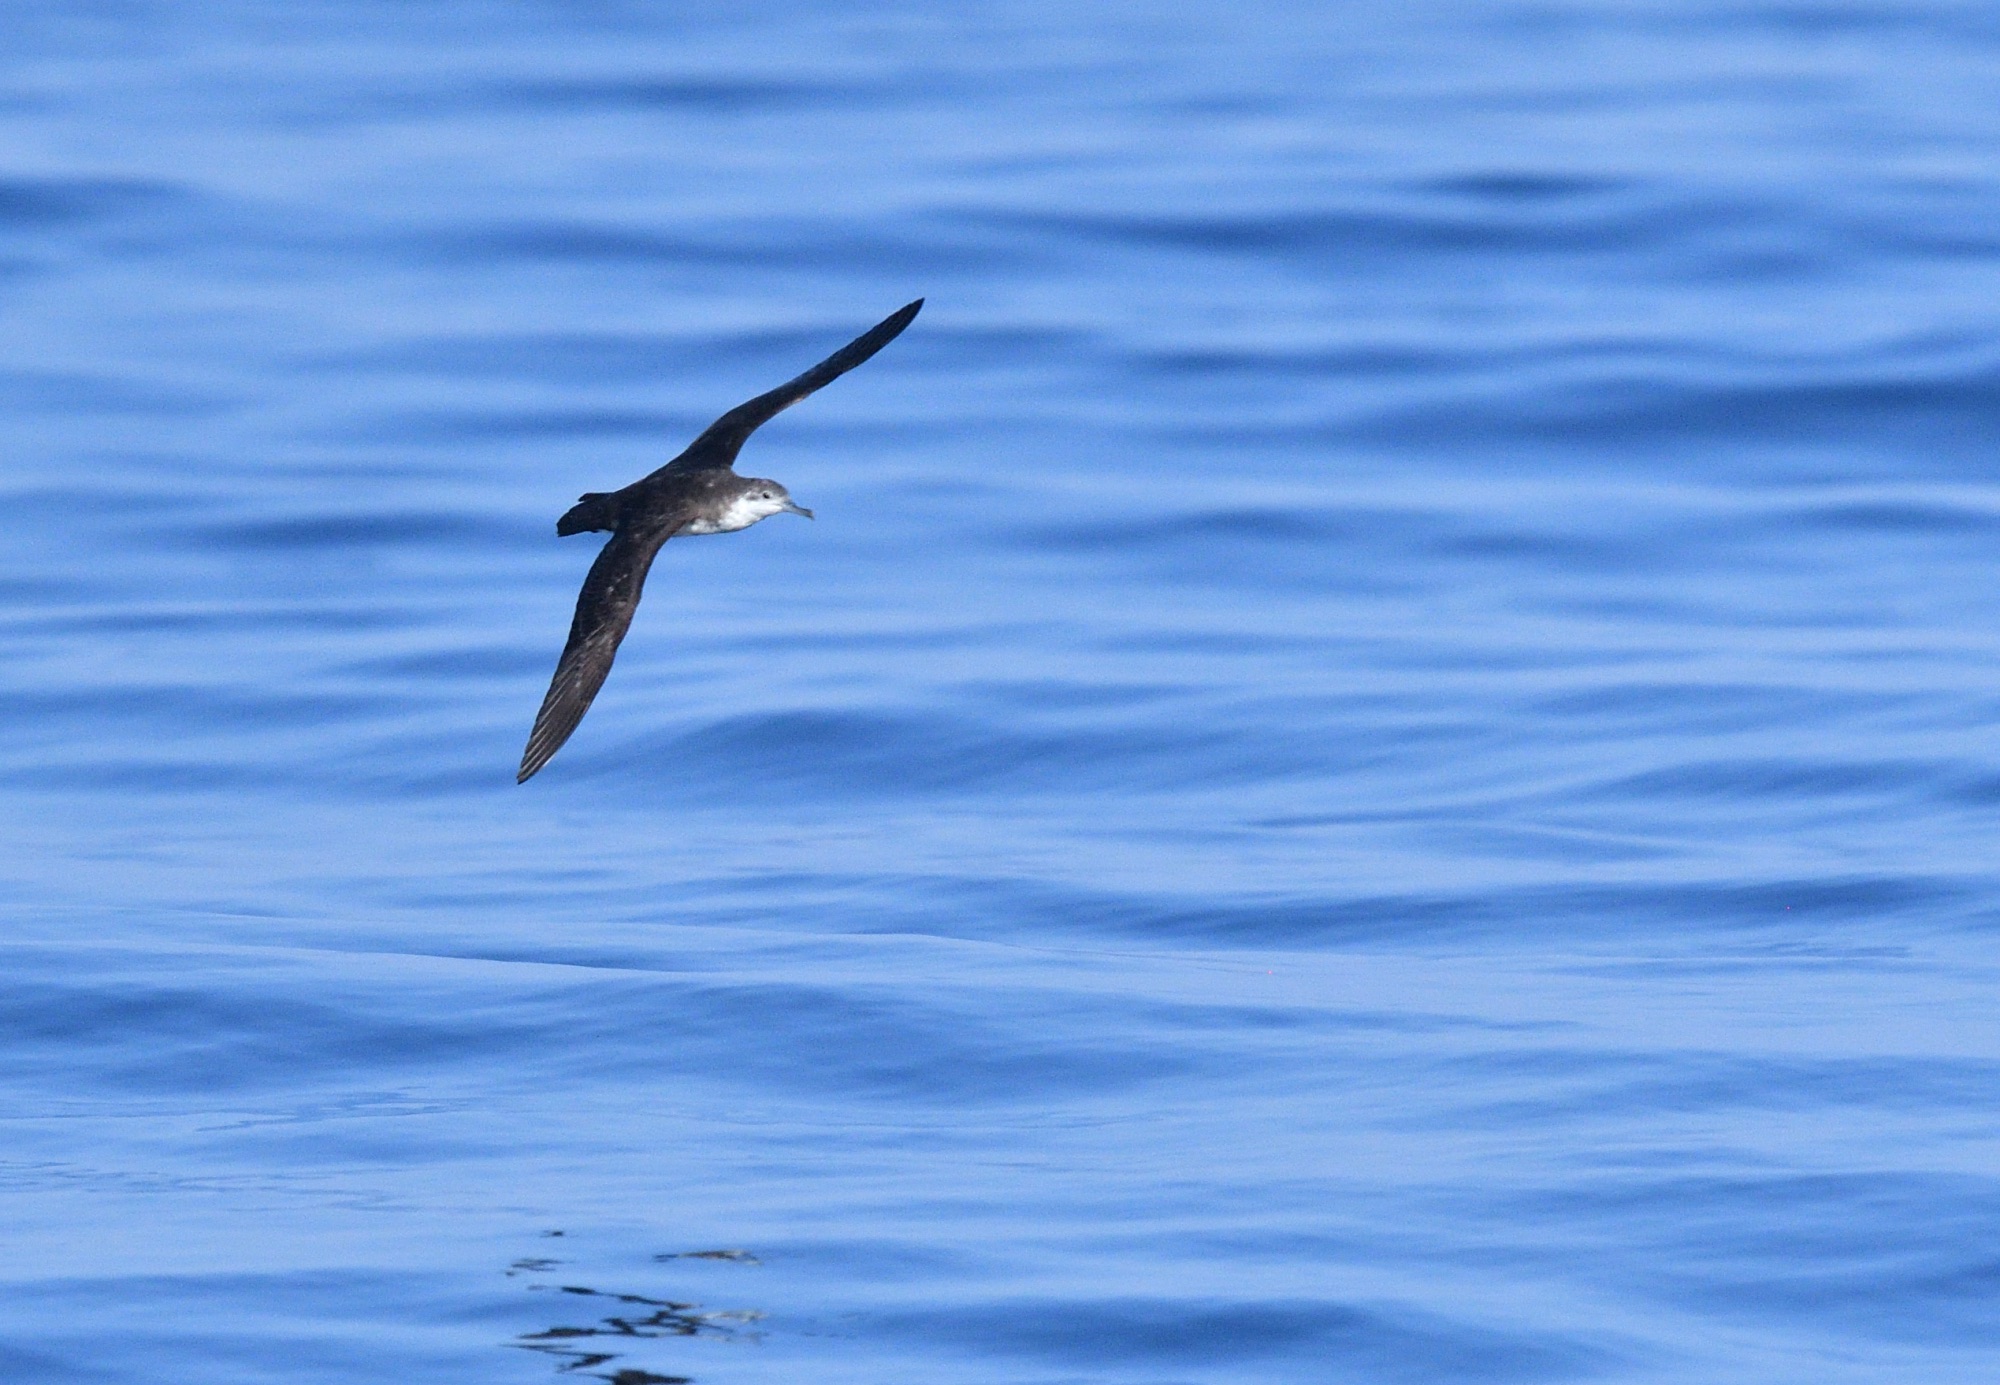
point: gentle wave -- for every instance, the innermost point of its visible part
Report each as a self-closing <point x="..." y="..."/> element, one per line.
<point x="1378" y="763"/>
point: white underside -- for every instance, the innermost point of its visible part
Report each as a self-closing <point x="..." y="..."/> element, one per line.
<point x="741" y="514"/>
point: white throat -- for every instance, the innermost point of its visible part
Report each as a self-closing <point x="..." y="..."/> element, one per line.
<point x="743" y="511"/>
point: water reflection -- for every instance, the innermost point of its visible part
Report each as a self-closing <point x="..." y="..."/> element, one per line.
<point x="581" y="1348"/>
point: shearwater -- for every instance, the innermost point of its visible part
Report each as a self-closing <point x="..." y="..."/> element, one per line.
<point x="697" y="492"/>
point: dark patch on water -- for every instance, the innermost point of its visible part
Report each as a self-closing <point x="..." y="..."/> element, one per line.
<point x="49" y="202"/>
<point x="352" y="531"/>
<point x="580" y="1348"/>
<point x="721" y="95"/>
<point x="1524" y="187"/>
<point x="1368" y="1343"/>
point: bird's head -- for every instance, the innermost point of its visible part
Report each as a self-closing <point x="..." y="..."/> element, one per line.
<point x="760" y="499"/>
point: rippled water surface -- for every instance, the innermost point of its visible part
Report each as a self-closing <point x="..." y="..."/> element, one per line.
<point x="1380" y="766"/>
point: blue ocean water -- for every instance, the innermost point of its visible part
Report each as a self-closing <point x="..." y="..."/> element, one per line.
<point x="1380" y="766"/>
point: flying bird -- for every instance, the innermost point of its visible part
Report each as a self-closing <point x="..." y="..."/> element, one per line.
<point x="697" y="492"/>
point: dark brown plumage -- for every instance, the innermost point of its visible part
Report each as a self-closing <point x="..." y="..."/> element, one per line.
<point x="697" y="492"/>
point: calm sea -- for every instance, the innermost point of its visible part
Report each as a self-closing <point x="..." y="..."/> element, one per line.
<point x="1381" y="765"/>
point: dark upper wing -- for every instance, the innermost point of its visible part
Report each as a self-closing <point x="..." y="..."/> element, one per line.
<point x="603" y="614"/>
<point x="718" y="446"/>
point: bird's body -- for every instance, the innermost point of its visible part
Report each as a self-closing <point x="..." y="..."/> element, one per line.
<point x="698" y="492"/>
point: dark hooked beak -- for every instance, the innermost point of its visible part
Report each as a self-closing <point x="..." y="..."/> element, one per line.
<point x="792" y="507"/>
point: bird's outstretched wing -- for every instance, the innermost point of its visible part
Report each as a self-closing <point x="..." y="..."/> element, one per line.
<point x="718" y="445"/>
<point x="603" y="614"/>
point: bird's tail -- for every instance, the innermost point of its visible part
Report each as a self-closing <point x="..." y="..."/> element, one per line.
<point x="593" y="510"/>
